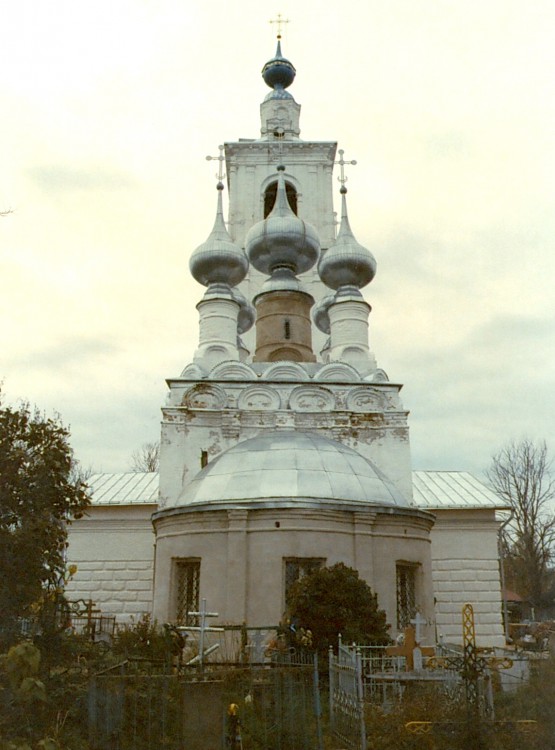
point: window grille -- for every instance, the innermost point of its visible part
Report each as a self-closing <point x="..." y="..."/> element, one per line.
<point x="187" y="591"/>
<point x="406" y="595"/>
<point x="297" y="568"/>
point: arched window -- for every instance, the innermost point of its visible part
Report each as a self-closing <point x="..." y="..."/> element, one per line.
<point x="270" y="197"/>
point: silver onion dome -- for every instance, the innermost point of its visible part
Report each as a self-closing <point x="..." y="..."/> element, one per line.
<point x="219" y="260"/>
<point x="247" y="313"/>
<point x="278" y="74"/>
<point x="282" y="240"/>
<point x="346" y="263"/>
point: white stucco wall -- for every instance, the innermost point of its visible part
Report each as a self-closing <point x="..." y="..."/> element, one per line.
<point x="242" y="555"/>
<point x="113" y="548"/>
<point x="465" y="568"/>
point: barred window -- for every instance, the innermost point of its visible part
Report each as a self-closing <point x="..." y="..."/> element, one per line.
<point x="406" y="594"/>
<point x="187" y="582"/>
<point x="297" y="568"/>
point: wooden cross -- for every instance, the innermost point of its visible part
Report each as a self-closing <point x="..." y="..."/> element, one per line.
<point x="279" y="20"/>
<point x="221" y="158"/>
<point x="410" y="649"/>
<point x="342" y="163"/>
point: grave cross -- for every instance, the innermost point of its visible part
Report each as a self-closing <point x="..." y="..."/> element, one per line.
<point x="470" y="664"/>
<point x="202" y="614"/>
<point x="417" y="622"/>
<point x="411" y="650"/>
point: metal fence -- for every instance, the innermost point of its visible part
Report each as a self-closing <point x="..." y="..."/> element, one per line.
<point x="347" y="697"/>
<point x="277" y="709"/>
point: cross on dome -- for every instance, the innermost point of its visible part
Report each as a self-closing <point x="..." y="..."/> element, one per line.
<point x="221" y="158"/>
<point x="279" y="20"/>
<point x="343" y="179"/>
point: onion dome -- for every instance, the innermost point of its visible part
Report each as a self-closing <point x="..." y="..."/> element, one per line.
<point x="278" y="74"/>
<point x="282" y="240"/>
<point x="346" y="263"/>
<point x="219" y="260"/>
<point x="247" y="313"/>
<point x="320" y="313"/>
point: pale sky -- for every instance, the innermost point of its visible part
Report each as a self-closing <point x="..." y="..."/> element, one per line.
<point x="108" y="111"/>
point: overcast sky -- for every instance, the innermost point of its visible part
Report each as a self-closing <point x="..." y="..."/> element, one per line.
<point x="108" y="111"/>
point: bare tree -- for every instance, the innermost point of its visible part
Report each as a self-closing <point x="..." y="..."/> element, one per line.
<point x="146" y="458"/>
<point x="521" y="475"/>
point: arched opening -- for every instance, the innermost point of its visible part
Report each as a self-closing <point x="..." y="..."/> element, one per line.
<point x="270" y="197"/>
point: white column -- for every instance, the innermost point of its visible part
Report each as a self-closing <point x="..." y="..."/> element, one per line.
<point x="349" y="333"/>
<point x="217" y="329"/>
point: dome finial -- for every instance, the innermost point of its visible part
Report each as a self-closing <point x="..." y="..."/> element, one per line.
<point x="221" y="159"/>
<point x="343" y="179"/>
<point x="219" y="260"/>
<point x="279" y="21"/>
<point x="347" y="263"/>
<point x="279" y="73"/>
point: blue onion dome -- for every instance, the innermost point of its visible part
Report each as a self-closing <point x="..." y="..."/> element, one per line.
<point x="278" y="74"/>
<point x="219" y="260"/>
<point x="346" y="263"/>
<point x="282" y="240"/>
<point x="247" y="313"/>
<point x="320" y="313"/>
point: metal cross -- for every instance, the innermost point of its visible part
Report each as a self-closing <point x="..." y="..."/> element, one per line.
<point x="203" y="614"/>
<point x="342" y="163"/>
<point x="471" y="664"/>
<point x="279" y="20"/>
<point x="221" y="159"/>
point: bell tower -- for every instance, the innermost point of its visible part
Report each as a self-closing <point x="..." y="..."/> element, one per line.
<point x="252" y="181"/>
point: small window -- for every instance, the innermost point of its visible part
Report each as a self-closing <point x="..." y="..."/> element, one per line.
<point x="297" y="568"/>
<point x="406" y="594"/>
<point x="187" y="586"/>
<point x="287" y="329"/>
<point x="270" y="197"/>
<point x="203" y="459"/>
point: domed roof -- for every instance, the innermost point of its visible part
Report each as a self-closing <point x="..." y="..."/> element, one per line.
<point x="288" y="468"/>
<point x="219" y="260"/>
<point x="347" y="262"/>
<point x="278" y="73"/>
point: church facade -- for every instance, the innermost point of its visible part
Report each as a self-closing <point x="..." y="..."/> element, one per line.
<point x="284" y="446"/>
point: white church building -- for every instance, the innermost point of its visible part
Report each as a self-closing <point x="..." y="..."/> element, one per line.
<point x="284" y="446"/>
